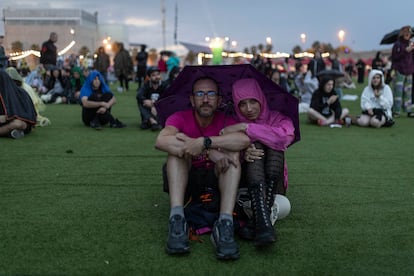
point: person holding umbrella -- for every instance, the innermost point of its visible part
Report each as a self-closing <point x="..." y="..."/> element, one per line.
<point x="403" y="65"/>
<point x="270" y="133"/>
<point x="192" y="140"/>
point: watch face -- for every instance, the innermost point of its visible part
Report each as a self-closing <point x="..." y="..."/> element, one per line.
<point x="207" y="142"/>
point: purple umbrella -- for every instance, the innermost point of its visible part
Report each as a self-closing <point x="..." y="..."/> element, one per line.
<point x="177" y="96"/>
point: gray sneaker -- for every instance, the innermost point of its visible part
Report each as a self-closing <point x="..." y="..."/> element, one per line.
<point x="17" y="134"/>
<point x="223" y="239"/>
<point x="178" y="242"/>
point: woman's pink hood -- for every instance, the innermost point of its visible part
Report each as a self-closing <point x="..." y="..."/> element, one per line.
<point x="271" y="128"/>
<point x="249" y="89"/>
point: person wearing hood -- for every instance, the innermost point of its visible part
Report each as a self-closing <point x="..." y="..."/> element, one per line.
<point x="376" y="102"/>
<point x="97" y="101"/>
<point x="325" y="107"/>
<point x="270" y="133"/>
<point x="76" y="81"/>
<point x="17" y="113"/>
<point x="37" y="102"/>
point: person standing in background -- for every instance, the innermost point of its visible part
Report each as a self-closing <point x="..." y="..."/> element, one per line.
<point x="102" y="63"/>
<point x="141" y="59"/>
<point x="360" y="66"/>
<point x="162" y="66"/>
<point x="377" y="62"/>
<point x="403" y="65"/>
<point x="48" y="53"/>
<point x="123" y="66"/>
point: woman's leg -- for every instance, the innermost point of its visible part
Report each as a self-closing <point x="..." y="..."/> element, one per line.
<point x="265" y="233"/>
<point x="275" y="162"/>
<point x="375" y="122"/>
<point x="363" y="120"/>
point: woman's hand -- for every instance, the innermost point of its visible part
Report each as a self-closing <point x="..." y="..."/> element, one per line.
<point x="332" y="99"/>
<point x="252" y="154"/>
<point x="240" y="127"/>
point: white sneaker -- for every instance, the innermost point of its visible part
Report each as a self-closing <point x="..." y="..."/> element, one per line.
<point x="58" y="100"/>
<point x="46" y="98"/>
<point x="17" y="134"/>
<point x="120" y="89"/>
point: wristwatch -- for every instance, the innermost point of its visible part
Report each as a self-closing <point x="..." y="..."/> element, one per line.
<point x="207" y="142"/>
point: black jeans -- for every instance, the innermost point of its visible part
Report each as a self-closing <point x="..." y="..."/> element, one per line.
<point x="89" y="114"/>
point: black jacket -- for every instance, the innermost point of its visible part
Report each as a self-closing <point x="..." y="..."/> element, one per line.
<point x="319" y="103"/>
<point x="48" y="53"/>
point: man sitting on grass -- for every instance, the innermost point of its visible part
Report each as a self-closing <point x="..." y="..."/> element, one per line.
<point x="193" y="143"/>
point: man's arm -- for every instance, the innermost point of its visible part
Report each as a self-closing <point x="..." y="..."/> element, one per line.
<point x="168" y="142"/>
<point x="92" y="104"/>
<point x="231" y="142"/>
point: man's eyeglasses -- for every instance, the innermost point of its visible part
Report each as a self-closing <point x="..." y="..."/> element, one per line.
<point x="209" y="94"/>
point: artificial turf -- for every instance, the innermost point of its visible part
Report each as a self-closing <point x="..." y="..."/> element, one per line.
<point x="76" y="201"/>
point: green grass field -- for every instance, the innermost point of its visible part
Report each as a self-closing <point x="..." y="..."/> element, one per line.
<point x="75" y="201"/>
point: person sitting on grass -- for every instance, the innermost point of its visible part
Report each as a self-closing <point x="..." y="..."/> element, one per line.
<point x="147" y="95"/>
<point x="37" y="102"/>
<point x="325" y="107"/>
<point x="97" y="101"/>
<point x="76" y="82"/>
<point x="270" y="133"/>
<point x="57" y="85"/>
<point x="376" y="102"/>
<point x="195" y="148"/>
<point x="17" y="112"/>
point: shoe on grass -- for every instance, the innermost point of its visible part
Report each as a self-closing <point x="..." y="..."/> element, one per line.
<point x="145" y="125"/>
<point x="117" y="124"/>
<point x="222" y="238"/>
<point x="95" y="124"/>
<point x="155" y="127"/>
<point x="178" y="236"/>
<point x="16" y="134"/>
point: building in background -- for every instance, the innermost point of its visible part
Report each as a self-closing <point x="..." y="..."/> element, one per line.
<point x="33" y="26"/>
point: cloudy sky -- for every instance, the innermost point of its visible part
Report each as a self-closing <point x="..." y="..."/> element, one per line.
<point x="247" y="22"/>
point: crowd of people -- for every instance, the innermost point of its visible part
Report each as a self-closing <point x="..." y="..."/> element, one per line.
<point x="387" y="95"/>
<point x="72" y="81"/>
<point x="206" y="148"/>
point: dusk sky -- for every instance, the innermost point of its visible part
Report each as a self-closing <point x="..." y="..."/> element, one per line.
<point x="248" y="22"/>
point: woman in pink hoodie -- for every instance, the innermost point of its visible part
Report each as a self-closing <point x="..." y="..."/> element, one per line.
<point x="270" y="133"/>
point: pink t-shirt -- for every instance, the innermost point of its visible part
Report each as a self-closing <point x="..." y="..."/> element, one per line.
<point x="186" y="123"/>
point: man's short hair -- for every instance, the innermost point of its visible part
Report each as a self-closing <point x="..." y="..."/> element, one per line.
<point x="206" y="78"/>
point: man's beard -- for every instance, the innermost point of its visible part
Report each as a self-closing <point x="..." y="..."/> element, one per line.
<point x="204" y="114"/>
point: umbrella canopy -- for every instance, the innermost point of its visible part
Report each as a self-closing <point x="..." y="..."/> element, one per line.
<point x="177" y="96"/>
<point x="330" y="73"/>
<point x="392" y="37"/>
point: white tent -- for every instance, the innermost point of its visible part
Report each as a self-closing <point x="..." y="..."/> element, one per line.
<point x="178" y="49"/>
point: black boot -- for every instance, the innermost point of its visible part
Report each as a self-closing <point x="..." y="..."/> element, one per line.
<point x="265" y="233"/>
<point x="270" y="195"/>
